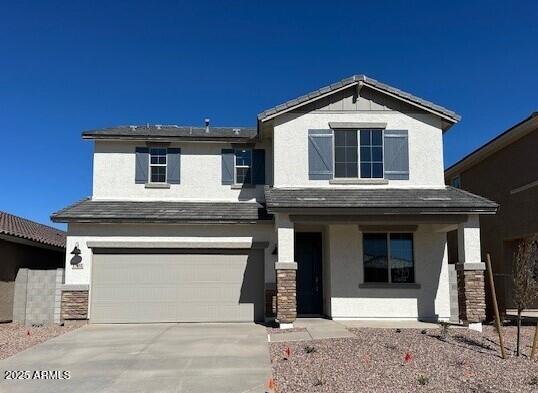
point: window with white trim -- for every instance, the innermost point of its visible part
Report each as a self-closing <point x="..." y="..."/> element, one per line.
<point x="371" y="153"/>
<point x="243" y="166"/>
<point x="157" y="165"/>
<point x="388" y="257"/>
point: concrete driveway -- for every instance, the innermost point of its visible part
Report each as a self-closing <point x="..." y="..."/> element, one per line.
<point x="148" y="358"/>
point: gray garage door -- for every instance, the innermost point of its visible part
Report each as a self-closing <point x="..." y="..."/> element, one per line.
<point x="177" y="287"/>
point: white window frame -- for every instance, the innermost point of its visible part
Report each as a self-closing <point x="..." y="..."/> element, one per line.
<point x="389" y="254"/>
<point x="371" y="162"/>
<point x="359" y="174"/>
<point x="242" y="166"/>
<point x="158" y="165"/>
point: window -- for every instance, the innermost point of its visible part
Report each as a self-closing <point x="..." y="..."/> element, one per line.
<point x="456" y="182"/>
<point x="157" y="165"/>
<point x="345" y="153"/>
<point x="243" y="166"/>
<point x="371" y="153"/>
<point x="388" y="257"/>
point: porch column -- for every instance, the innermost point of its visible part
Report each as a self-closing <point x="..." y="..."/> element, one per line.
<point x="470" y="272"/>
<point x="286" y="269"/>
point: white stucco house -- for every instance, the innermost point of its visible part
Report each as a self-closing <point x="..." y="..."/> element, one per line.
<point x="334" y="205"/>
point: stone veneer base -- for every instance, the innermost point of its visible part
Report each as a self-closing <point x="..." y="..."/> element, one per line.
<point x="286" y="297"/>
<point x="471" y="294"/>
<point x="74" y="305"/>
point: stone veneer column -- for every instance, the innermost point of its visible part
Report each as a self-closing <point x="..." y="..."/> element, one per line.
<point x="74" y="304"/>
<point x="470" y="270"/>
<point x="286" y="269"/>
<point x="471" y="294"/>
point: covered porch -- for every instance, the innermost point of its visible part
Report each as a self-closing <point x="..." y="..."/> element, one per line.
<point x="375" y="263"/>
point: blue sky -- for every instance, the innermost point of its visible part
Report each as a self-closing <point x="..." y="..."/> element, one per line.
<point x="75" y="65"/>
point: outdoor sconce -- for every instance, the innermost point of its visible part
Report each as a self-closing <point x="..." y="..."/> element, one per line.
<point x="76" y="261"/>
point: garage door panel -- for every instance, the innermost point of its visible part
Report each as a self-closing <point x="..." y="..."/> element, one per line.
<point x="177" y="287"/>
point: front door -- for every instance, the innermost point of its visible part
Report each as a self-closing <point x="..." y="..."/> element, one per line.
<point x="308" y="255"/>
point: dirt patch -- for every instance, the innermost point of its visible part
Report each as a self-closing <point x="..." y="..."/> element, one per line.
<point x="16" y="338"/>
<point x="383" y="360"/>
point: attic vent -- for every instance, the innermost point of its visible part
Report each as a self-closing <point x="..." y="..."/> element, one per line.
<point x="132" y="128"/>
<point x="237" y="131"/>
<point x="206" y="121"/>
<point x="158" y="126"/>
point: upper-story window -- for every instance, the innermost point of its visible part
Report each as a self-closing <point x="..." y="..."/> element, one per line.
<point x="243" y="166"/>
<point x="371" y="153"/>
<point x="347" y="154"/>
<point x="157" y="165"/>
<point x="456" y="182"/>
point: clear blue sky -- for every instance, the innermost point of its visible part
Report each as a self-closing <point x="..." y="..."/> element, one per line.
<point x="75" y="65"/>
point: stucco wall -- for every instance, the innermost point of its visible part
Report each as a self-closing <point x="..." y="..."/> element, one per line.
<point x="82" y="233"/>
<point x="114" y="174"/>
<point x="348" y="301"/>
<point x="290" y="141"/>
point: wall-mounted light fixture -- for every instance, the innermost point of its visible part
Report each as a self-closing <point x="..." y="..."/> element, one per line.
<point x="76" y="261"/>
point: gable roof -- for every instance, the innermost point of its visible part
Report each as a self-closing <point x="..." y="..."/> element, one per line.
<point x="499" y="142"/>
<point x="359" y="79"/>
<point x="172" y="132"/>
<point x="29" y="230"/>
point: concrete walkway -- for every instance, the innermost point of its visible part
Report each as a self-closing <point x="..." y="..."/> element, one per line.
<point x="148" y="358"/>
<point x="320" y="328"/>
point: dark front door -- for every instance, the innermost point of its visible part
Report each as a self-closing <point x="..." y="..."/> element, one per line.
<point x="308" y="256"/>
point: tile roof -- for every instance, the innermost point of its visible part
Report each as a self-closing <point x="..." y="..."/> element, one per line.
<point x="390" y="200"/>
<point x="25" y="229"/>
<point x="165" y="132"/>
<point x="160" y="211"/>
<point x="453" y="116"/>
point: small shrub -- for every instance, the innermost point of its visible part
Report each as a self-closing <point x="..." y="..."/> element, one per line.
<point x="444" y="326"/>
<point x="423" y="331"/>
<point x="398" y="330"/>
<point x="309" y="349"/>
<point x="423" y="380"/>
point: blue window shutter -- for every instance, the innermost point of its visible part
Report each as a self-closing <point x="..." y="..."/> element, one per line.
<point x="396" y="154"/>
<point x="173" y="165"/>
<point x="258" y="166"/>
<point x="228" y="158"/>
<point x="142" y="165"/>
<point x="320" y="154"/>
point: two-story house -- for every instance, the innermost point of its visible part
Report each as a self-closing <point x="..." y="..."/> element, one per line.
<point x="335" y="204"/>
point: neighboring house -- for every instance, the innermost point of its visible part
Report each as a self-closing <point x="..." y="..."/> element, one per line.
<point x="25" y="244"/>
<point x="335" y="204"/>
<point x="506" y="171"/>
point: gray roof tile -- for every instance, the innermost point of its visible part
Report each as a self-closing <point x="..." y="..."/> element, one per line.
<point x="172" y="132"/>
<point x="443" y="200"/>
<point x="453" y="116"/>
<point x="160" y="211"/>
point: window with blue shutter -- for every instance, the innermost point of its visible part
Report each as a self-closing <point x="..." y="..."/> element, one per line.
<point x="141" y="165"/>
<point x="243" y="166"/>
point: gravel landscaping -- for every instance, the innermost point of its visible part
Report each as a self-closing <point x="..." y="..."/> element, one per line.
<point x="16" y="338"/>
<point x="384" y="360"/>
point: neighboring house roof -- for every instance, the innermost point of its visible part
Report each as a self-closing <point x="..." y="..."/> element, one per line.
<point x="172" y="132"/>
<point x="500" y="142"/>
<point x="158" y="211"/>
<point x="22" y="228"/>
<point x="445" y="113"/>
<point x="377" y="201"/>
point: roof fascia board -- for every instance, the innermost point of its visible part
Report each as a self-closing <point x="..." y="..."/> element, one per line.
<point x="493" y="146"/>
<point x="28" y="242"/>
<point x="361" y="84"/>
<point x="169" y="139"/>
<point x="379" y="210"/>
<point x="331" y="92"/>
